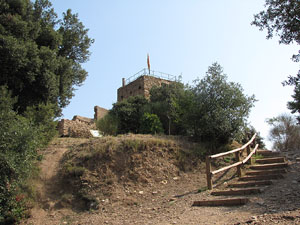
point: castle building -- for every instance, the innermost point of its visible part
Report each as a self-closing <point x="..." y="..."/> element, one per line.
<point x="142" y="82"/>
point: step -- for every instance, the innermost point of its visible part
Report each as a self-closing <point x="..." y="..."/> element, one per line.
<point x="222" y="202"/>
<point x="261" y="177"/>
<point x="244" y="191"/>
<point x="268" y="166"/>
<point x="266" y="172"/>
<point x="270" y="160"/>
<point x="251" y="183"/>
<point x="267" y="153"/>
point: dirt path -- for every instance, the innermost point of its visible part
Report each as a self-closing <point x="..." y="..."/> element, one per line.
<point x="164" y="203"/>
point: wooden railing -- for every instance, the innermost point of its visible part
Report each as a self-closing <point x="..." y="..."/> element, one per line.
<point x="238" y="164"/>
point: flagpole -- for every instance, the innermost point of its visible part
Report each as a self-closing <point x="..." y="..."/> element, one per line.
<point x="148" y="63"/>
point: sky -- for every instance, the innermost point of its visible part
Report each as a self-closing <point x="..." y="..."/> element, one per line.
<point x="182" y="38"/>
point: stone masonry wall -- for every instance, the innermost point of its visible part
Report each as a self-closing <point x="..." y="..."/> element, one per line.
<point x="75" y="128"/>
<point x="99" y="112"/>
<point x="140" y="86"/>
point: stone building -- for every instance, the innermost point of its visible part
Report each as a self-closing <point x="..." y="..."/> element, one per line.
<point x="142" y="82"/>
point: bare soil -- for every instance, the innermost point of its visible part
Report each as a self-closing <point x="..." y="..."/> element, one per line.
<point x="162" y="199"/>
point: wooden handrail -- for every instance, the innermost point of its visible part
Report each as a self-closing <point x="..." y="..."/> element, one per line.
<point x="238" y="164"/>
<point x="234" y="150"/>
<point x="250" y="155"/>
<point x="226" y="168"/>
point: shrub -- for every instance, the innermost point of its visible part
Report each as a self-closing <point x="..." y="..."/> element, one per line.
<point x="285" y="133"/>
<point x="108" y="125"/>
<point x="150" y="124"/>
<point x="20" y="138"/>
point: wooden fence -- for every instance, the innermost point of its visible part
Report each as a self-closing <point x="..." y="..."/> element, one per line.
<point x="238" y="164"/>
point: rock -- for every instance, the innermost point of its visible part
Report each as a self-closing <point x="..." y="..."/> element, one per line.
<point x="141" y="192"/>
<point x="175" y="178"/>
<point x="164" y="182"/>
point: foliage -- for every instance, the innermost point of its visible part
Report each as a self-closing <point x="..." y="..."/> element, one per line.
<point x="150" y="124"/>
<point x="108" y="125"/>
<point x="19" y="141"/>
<point x="171" y="103"/>
<point x="42" y="116"/>
<point x="285" y="133"/>
<point x="220" y="108"/>
<point x="281" y="17"/>
<point x="129" y="113"/>
<point x="40" y="55"/>
<point x="248" y="133"/>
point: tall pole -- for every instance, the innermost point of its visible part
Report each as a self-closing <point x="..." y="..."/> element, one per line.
<point x="148" y="63"/>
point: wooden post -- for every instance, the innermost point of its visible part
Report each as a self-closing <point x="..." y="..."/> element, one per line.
<point x="248" y="153"/>
<point x="208" y="173"/>
<point x="238" y="168"/>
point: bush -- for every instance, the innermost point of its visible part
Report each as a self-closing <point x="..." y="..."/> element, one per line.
<point x="20" y="138"/>
<point x="129" y="113"/>
<point x="150" y="124"/>
<point x="285" y="133"/>
<point x="220" y="108"/>
<point x="108" y="125"/>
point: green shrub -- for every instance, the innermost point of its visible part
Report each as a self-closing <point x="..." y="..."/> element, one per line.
<point x="108" y="125"/>
<point x="150" y="124"/>
<point x="20" y="139"/>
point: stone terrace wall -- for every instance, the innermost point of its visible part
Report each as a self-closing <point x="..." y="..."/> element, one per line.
<point x="99" y="112"/>
<point x="77" y="127"/>
<point x="140" y="86"/>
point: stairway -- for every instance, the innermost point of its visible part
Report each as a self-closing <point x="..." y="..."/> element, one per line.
<point x="256" y="179"/>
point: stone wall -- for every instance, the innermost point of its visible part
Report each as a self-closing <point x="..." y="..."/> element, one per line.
<point x="75" y="128"/>
<point x="140" y="86"/>
<point x="99" y="112"/>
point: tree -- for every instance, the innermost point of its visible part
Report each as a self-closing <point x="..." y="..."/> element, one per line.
<point x="129" y="113"/>
<point x="285" y="133"/>
<point x="20" y="137"/>
<point x="220" y="108"/>
<point x="170" y="103"/>
<point x="41" y="56"/>
<point x="282" y="18"/>
<point x="108" y="125"/>
<point x="150" y="124"/>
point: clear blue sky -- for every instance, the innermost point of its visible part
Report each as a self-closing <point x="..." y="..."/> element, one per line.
<point x="181" y="37"/>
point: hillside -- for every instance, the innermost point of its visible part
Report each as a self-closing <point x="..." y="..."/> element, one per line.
<point x="139" y="179"/>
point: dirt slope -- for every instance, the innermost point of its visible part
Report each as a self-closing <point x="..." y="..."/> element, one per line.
<point x="161" y="195"/>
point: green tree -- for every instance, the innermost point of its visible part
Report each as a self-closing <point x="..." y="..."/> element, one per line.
<point x="150" y="124"/>
<point x="282" y="18"/>
<point x="129" y="113"/>
<point x="170" y="103"/>
<point x="285" y="133"/>
<point x="248" y="133"/>
<point x="41" y="56"/>
<point x="220" y="108"/>
<point x="19" y="139"/>
<point x="108" y="125"/>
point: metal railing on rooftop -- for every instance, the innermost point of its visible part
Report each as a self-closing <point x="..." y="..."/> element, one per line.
<point x="152" y="73"/>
